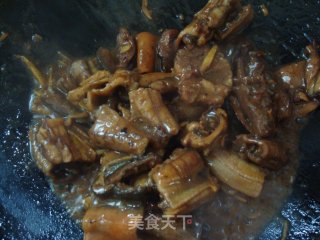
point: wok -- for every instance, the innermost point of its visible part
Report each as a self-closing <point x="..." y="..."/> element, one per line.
<point x="28" y="208"/>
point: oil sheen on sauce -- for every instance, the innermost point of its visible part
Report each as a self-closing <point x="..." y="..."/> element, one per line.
<point x="229" y="215"/>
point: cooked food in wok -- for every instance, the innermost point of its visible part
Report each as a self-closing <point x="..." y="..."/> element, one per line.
<point x="191" y="129"/>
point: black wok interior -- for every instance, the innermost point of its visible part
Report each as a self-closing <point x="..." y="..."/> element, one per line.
<point x="28" y="208"/>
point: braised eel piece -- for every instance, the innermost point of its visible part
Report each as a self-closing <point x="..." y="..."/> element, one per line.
<point x="150" y="114"/>
<point x="183" y="182"/>
<point x="208" y="132"/>
<point x="126" y="48"/>
<point x="116" y="167"/>
<point x="251" y="99"/>
<point x="205" y="75"/>
<point x="111" y="131"/>
<point x="100" y="223"/>
<point x="166" y="49"/>
<point x="101" y="85"/>
<point x="263" y="152"/>
<point x="54" y="144"/>
<point x="232" y="170"/>
<point x="218" y="19"/>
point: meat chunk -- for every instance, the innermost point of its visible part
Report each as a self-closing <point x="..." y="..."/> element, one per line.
<point x="126" y="48"/>
<point x="69" y="75"/>
<point x="51" y="103"/>
<point x="160" y="81"/>
<point x="241" y="21"/>
<point x="303" y="81"/>
<point x="205" y="75"/>
<point x="115" y="167"/>
<point x="266" y="153"/>
<point x="148" y="105"/>
<point x="231" y="169"/>
<point x="302" y="104"/>
<point x="145" y="80"/>
<point x="302" y="109"/>
<point x="121" y="78"/>
<point x="114" y="132"/>
<point x="183" y="182"/>
<point x="58" y="103"/>
<point x="168" y="85"/>
<point x="251" y="99"/>
<point x="54" y="144"/>
<point x="218" y="70"/>
<point x="167" y="49"/>
<point x="102" y="223"/>
<point x="292" y="74"/>
<point x="150" y="115"/>
<point x="209" y="131"/>
<point x="95" y="81"/>
<point x="101" y="85"/>
<point x="212" y="17"/>
<point x="195" y="90"/>
<point x="303" y="74"/>
<point x="188" y="61"/>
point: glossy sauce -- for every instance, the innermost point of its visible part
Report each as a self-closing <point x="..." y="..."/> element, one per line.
<point x="230" y="215"/>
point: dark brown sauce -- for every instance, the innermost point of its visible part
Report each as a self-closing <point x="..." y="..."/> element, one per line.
<point x="229" y="216"/>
